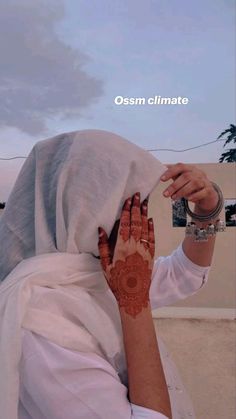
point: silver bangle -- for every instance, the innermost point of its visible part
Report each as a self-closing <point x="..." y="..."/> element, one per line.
<point x="202" y="234"/>
<point x="212" y="214"/>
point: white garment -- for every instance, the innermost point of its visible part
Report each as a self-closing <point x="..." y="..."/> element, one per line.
<point x="67" y="187"/>
<point x="52" y="285"/>
<point x="59" y="383"/>
<point x="72" y="383"/>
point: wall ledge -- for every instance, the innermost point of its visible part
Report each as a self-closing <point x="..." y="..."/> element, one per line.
<point x="194" y="313"/>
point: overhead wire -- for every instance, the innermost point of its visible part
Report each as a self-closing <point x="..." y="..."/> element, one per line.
<point x="154" y="149"/>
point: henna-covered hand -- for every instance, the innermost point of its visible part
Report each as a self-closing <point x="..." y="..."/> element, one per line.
<point x="128" y="271"/>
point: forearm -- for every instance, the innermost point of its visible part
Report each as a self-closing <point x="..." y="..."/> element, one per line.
<point x="200" y="253"/>
<point x="147" y="385"/>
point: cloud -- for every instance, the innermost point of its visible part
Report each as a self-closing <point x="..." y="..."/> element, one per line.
<point x="40" y="76"/>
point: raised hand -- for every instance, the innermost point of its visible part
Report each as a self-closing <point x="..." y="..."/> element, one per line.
<point x="191" y="183"/>
<point x="128" y="272"/>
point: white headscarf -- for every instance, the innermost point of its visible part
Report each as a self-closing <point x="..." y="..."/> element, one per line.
<point x="52" y="284"/>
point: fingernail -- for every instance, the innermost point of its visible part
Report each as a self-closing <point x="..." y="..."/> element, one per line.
<point x="144" y="208"/>
<point x="166" y="193"/>
<point x="163" y="177"/>
<point x="136" y="199"/>
<point x="127" y="204"/>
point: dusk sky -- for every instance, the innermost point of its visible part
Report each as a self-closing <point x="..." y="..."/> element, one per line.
<point x="64" y="62"/>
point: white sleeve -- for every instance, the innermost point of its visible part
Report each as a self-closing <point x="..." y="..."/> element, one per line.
<point x="140" y="412"/>
<point x="58" y="383"/>
<point x="175" y="277"/>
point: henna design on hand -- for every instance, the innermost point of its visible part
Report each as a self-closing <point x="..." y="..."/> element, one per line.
<point x="130" y="283"/>
<point x="136" y="224"/>
<point x="128" y="267"/>
<point x="105" y="256"/>
<point x="124" y="230"/>
<point x="104" y="250"/>
<point x="136" y="221"/>
<point x="125" y="221"/>
<point x="144" y="234"/>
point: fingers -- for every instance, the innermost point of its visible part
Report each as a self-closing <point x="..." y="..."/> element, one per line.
<point x="113" y="237"/>
<point x="185" y="185"/>
<point x="124" y="227"/>
<point x="133" y="224"/>
<point x="136" y="221"/>
<point x="147" y="230"/>
<point x="151" y="237"/>
<point x="103" y="248"/>
<point x="144" y="233"/>
<point x="178" y="184"/>
<point x="174" y="170"/>
<point x="189" y="189"/>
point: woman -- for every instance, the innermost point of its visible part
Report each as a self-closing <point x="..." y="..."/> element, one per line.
<point x="59" y="319"/>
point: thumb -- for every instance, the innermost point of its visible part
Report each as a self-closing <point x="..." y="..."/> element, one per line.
<point x="104" y="249"/>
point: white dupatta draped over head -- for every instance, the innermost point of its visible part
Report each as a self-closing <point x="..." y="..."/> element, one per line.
<point x="51" y="282"/>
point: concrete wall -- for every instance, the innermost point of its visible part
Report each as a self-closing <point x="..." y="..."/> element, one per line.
<point x="219" y="292"/>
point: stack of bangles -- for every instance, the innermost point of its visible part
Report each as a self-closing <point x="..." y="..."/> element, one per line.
<point x="202" y="234"/>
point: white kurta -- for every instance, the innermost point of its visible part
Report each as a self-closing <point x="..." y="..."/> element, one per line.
<point x="56" y="383"/>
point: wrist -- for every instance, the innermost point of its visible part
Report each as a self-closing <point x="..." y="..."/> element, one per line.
<point x="208" y="214"/>
<point x="143" y="311"/>
<point x="205" y="219"/>
<point x="208" y="205"/>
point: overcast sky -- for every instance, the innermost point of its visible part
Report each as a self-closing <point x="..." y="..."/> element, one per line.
<point x="64" y="62"/>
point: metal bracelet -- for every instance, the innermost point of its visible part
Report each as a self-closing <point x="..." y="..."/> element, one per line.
<point x="213" y="214"/>
<point x="201" y="234"/>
